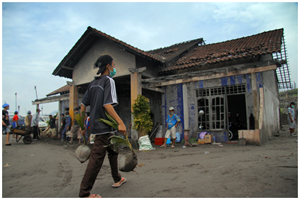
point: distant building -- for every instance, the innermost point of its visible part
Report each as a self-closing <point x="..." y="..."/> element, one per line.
<point x="240" y="77"/>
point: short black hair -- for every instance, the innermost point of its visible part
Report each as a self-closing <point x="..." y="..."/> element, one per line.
<point x="101" y="63"/>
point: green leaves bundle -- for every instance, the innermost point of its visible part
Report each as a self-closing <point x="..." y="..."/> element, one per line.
<point x="117" y="141"/>
<point x="80" y="121"/>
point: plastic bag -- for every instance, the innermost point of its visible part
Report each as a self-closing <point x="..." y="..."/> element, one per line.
<point x="145" y="143"/>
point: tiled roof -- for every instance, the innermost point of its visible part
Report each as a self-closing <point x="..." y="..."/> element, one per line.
<point x="136" y="50"/>
<point x="167" y="53"/>
<point x="63" y="89"/>
<point x="259" y="44"/>
<point x="84" y="43"/>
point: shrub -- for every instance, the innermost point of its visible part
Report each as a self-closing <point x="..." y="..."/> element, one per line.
<point x="141" y="114"/>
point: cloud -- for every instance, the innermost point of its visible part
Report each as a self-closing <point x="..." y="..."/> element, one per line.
<point x="37" y="36"/>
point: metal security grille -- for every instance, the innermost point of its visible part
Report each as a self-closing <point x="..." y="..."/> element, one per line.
<point x="217" y="91"/>
<point x="236" y="89"/>
<point x="233" y="89"/>
<point x="202" y="92"/>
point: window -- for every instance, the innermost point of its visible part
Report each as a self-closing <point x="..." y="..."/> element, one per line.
<point x="203" y="119"/>
<point x="218" y="114"/>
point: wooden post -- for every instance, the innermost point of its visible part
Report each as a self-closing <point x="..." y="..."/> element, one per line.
<point x="255" y="100"/>
<point x="185" y="106"/>
<point x="73" y="99"/>
<point x="136" y="86"/>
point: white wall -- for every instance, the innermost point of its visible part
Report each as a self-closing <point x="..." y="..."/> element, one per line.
<point x="84" y="71"/>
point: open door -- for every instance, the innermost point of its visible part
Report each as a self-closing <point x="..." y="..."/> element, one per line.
<point x="237" y="117"/>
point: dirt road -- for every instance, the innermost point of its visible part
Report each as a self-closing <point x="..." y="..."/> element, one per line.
<point x="48" y="168"/>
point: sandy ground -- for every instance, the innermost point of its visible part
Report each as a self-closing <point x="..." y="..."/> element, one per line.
<point x="48" y="168"/>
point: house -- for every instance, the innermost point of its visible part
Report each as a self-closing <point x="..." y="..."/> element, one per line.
<point x="235" y="83"/>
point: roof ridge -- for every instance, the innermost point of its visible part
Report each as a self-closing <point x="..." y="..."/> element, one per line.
<point x="177" y="44"/>
<point x="246" y="36"/>
<point x="123" y="43"/>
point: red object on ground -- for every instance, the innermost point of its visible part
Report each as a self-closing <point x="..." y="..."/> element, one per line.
<point x="159" y="141"/>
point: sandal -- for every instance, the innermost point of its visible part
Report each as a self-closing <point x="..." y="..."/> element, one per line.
<point x="163" y="146"/>
<point x="116" y="185"/>
<point x="8" y="144"/>
<point x="172" y="146"/>
<point x="94" y="196"/>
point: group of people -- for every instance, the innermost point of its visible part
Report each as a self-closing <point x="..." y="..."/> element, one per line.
<point x="70" y="127"/>
<point x="31" y="123"/>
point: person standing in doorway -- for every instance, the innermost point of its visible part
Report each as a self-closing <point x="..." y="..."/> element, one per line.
<point x="5" y="123"/>
<point x="292" y="119"/>
<point x="172" y="123"/>
<point x="101" y="96"/>
<point x="35" y="124"/>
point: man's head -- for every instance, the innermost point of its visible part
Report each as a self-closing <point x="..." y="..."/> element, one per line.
<point x="106" y="64"/>
<point x="38" y="110"/>
<point x="16" y="112"/>
<point x="67" y="113"/>
<point x="76" y="110"/>
<point x="29" y="112"/>
<point x="292" y="104"/>
<point x="50" y="116"/>
<point x="171" y="110"/>
<point x="62" y="115"/>
<point x="5" y="106"/>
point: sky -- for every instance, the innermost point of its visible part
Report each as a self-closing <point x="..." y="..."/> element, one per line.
<point x="36" y="36"/>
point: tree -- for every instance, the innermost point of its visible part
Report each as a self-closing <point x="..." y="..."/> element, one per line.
<point x="141" y="114"/>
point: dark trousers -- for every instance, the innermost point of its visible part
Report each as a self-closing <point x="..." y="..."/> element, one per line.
<point x="95" y="163"/>
<point x="35" y="132"/>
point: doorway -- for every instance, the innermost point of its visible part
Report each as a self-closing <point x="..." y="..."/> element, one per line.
<point x="237" y="117"/>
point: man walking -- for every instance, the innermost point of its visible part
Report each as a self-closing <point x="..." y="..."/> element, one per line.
<point x="35" y="124"/>
<point x="172" y="123"/>
<point x="5" y="123"/>
<point x="101" y="96"/>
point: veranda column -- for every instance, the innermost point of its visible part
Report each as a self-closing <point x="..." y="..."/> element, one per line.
<point x="255" y="100"/>
<point x="136" y="88"/>
<point x="73" y="99"/>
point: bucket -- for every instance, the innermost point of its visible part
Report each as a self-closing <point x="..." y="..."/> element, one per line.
<point x="177" y="137"/>
<point x="159" y="141"/>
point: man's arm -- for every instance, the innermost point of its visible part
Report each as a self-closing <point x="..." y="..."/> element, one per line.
<point x="111" y="111"/>
<point x="291" y="118"/>
<point x="3" y="124"/>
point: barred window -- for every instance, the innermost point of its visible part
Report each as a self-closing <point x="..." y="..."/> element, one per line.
<point x="212" y="102"/>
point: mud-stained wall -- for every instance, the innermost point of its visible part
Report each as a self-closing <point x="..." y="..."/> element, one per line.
<point x="271" y="118"/>
<point x="84" y="71"/>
